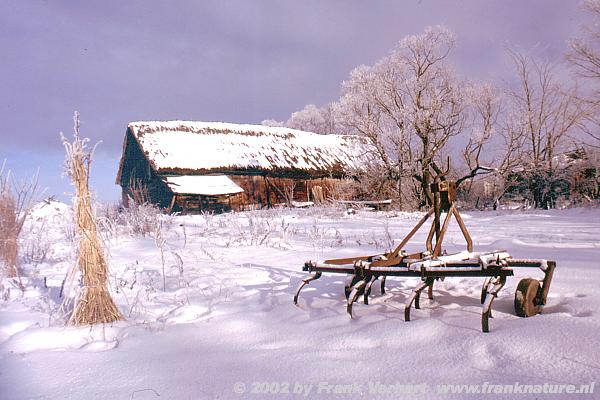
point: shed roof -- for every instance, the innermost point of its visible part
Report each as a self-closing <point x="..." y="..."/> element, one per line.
<point x="200" y="147"/>
<point x="207" y="185"/>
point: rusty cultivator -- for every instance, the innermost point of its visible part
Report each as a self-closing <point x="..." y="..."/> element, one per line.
<point x="434" y="263"/>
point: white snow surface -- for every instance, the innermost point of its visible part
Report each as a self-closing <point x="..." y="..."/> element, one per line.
<point x="226" y="320"/>
<point x="216" y="145"/>
<point x="202" y="184"/>
<point x="49" y="211"/>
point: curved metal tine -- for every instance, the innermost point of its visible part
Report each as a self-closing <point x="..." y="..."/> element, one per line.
<point x="305" y="282"/>
<point x="548" y="273"/>
<point x="414" y="298"/>
<point x="354" y="295"/>
<point x="430" y="291"/>
<point x="497" y="284"/>
<point x="484" y="288"/>
<point x="383" y="285"/>
<point x="368" y="289"/>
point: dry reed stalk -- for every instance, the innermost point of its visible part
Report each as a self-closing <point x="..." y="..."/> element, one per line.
<point x="9" y="232"/>
<point x="94" y="305"/>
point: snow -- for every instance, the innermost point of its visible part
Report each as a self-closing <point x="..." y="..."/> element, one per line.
<point x="484" y="259"/>
<point x="226" y="317"/>
<point x="49" y="210"/>
<point x="216" y="145"/>
<point x="202" y="184"/>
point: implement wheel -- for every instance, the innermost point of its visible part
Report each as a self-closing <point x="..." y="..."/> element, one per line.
<point x="526" y="298"/>
<point x="350" y="282"/>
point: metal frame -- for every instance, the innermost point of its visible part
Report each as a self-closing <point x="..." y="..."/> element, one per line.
<point x="432" y="264"/>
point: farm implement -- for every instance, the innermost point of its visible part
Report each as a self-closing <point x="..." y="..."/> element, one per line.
<point x="435" y="264"/>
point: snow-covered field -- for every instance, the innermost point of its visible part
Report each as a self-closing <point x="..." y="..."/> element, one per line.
<point x="221" y="324"/>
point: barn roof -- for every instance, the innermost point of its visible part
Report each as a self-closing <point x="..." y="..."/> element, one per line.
<point x="186" y="147"/>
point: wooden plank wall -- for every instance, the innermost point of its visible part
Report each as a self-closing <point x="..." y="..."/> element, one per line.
<point x="195" y="203"/>
<point x="263" y="192"/>
<point x="138" y="175"/>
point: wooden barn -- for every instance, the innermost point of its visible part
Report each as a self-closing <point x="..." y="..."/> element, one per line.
<point x="198" y="166"/>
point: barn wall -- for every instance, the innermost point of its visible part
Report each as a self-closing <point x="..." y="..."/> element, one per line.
<point x="138" y="180"/>
<point x="134" y="164"/>
<point x="264" y="191"/>
<point x="196" y="203"/>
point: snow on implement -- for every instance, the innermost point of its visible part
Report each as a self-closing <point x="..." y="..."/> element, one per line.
<point x="434" y="264"/>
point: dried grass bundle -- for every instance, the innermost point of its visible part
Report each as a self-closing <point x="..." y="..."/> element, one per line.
<point x="94" y="305"/>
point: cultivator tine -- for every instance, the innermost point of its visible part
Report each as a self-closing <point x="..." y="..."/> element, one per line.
<point x="484" y="289"/>
<point x="305" y="282"/>
<point x="496" y="284"/>
<point x="368" y="289"/>
<point x="414" y="298"/>
<point x="548" y="274"/>
<point x="356" y="290"/>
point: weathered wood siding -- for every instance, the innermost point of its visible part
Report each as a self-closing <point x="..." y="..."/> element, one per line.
<point x="266" y="191"/>
<point x="196" y="203"/>
<point x="138" y="179"/>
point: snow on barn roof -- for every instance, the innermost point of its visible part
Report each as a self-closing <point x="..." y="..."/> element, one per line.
<point x="204" y="146"/>
<point x="207" y="185"/>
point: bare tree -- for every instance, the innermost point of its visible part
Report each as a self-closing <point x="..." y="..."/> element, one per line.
<point x="584" y="56"/>
<point x="544" y="113"/>
<point x="584" y="52"/>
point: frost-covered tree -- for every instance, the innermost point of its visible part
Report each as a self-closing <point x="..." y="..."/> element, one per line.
<point x="584" y="56"/>
<point x="483" y="129"/>
<point x="486" y="104"/>
<point x="272" y="123"/>
<point x="356" y="113"/>
<point x="313" y="119"/>
<point x="584" y="52"/>
<point x="410" y="104"/>
<point x="544" y="114"/>
<point x="522" y="134"/>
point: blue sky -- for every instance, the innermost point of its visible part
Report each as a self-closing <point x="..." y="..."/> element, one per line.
<point x="223" y="60"/>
